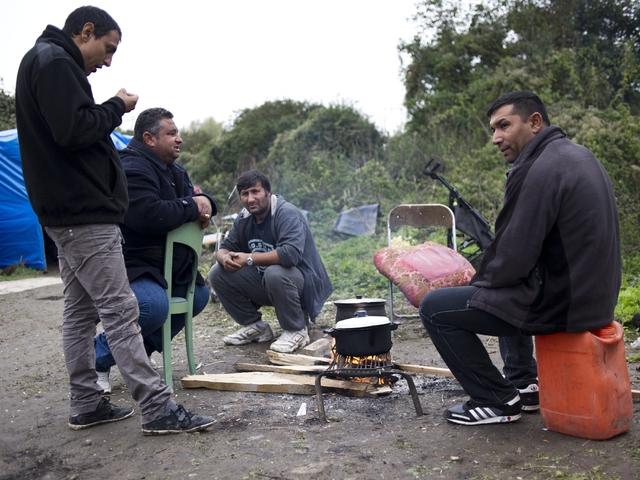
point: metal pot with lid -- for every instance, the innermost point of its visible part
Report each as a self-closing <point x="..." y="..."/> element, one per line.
<point x="363" y="335"/>
<point x="348" y="308"/>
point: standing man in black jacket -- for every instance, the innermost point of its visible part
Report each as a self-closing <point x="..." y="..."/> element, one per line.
<point x="161" y="199"/>
<point x="78" y="189"/>
<point x="554" y="265"/>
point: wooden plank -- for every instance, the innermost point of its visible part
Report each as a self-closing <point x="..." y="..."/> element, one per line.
<point x="289" y="359"/>
<point x="292" y="359"/>
<point x="269" y="382"/>
<point x="253" y="367"/>
<point x="421" y="369"/>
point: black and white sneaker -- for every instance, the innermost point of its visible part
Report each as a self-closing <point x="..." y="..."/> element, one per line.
<point x="177" y="419"/>
<point x="470" y="414"/>
<point x="530" y="397"/>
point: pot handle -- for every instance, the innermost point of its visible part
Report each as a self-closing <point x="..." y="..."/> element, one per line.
<point x="395" y="325"/>
<point x="332" y="331"/>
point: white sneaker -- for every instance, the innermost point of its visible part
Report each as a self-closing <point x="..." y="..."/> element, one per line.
<point x="248" y="334"/>
<point x="291" y="341"/>
<point x="103" y="382"/>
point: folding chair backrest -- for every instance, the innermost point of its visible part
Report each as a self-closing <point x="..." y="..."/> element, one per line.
<point x="418" y="216"/>
<point x="191" y="235"/>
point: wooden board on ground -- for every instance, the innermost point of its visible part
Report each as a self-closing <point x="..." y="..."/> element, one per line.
<point x="292" y="359"/>
<point x="269" y="382"/>
<point x="253" y="367"/>
<point x="289" y="359"/>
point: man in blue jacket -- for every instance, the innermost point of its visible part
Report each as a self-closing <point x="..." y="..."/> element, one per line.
<point x="554" y="265"/>
<point x="77" y="187"/>
<point x="269" y="257"/>
<point x="161" y="199"/>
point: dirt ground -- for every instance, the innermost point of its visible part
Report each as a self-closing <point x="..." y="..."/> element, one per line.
<point x="260" y="436"/>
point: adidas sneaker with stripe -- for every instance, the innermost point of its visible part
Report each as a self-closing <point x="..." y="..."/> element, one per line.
<point x="471" y="414"/>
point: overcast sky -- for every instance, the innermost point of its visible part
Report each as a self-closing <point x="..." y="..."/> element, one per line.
<point x="203" y="59"/>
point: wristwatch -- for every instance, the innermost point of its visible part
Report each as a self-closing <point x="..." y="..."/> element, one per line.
<point x="250" y="261"/>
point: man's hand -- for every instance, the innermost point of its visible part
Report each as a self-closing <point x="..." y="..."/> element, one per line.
<point x="204" y="209"/>
<point x="130" y="99"/>
<point x="232" y="261"/>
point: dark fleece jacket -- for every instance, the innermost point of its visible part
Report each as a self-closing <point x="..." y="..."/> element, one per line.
<point x="160" y="200"/>
<point x="555" y="263"/>
<point x="71" y="169"/>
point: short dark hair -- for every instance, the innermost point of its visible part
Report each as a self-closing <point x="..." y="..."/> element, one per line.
<point x="524" y="104"/>
<point x="149" y="121"/>
<point x="249" y="179"/>
<point x="103" y="23"/>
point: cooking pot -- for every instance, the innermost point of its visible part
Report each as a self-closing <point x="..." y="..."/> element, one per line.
<point x="348" y="308"/>
<point x="363" y="335"/>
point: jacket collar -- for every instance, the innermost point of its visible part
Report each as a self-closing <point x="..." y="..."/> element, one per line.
<point x="56" y="36"/>
<point x="136" y="148"/>
<point x="540" y="141"/>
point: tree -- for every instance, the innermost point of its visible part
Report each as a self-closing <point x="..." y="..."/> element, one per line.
<point x="7" y="109"/>
<point x="333" y="159"/>
<point x="581" y="56"/>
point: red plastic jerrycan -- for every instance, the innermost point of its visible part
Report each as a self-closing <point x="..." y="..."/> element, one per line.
<point x="584" y="383"/>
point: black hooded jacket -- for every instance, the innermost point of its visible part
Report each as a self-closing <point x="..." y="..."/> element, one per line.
<point x="71" y="169"/>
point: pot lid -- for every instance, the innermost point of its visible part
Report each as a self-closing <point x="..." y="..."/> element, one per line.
<point x="360" y="301"/>
<point x="361" y="322"/>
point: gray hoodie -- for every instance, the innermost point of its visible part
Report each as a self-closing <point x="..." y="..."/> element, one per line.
<point x="296" y="248"/>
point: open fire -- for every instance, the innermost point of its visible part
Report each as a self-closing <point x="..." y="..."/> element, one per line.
<point x="369" y="364"/>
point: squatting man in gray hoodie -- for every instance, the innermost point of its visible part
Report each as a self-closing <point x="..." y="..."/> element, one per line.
<point x="269" y="258"/>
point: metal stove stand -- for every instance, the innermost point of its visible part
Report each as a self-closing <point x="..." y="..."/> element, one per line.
<point x="383" y="372"/>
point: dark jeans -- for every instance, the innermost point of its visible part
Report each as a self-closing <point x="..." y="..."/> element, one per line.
<point x="154" y="308"/>
<point x="454" y="328"/>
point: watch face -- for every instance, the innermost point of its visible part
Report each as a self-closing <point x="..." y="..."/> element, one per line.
<point x="249" y="261"/>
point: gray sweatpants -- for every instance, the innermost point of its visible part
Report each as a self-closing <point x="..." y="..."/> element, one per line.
<point x="278" y="287"/>
<point x="96" y="289"/>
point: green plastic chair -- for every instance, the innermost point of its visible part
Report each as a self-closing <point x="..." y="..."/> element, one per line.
<point x="189" y="234"/>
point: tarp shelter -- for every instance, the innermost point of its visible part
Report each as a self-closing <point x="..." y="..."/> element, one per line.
<point x="358" y="221"/>
<point x="21" y="239"/>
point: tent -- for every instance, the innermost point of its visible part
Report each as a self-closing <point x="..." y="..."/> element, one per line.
<point x="358" y="221"/>
<point x="21" y="238"/>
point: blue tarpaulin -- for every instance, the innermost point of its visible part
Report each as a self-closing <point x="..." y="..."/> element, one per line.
<point x="21" y="239"/>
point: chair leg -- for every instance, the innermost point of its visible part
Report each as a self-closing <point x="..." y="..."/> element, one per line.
<point x="188" y="336"/>
<point x="166" y="353"/>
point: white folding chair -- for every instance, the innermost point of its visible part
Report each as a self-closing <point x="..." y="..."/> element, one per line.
<point x="418" y="216"/>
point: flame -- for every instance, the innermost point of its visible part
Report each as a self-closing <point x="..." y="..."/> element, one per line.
<point x="369" y="362"/>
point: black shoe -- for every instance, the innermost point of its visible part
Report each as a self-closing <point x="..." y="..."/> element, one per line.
<point x="105" y="413"/>
<point x="176" y="419"/>
<point x="470" y="414"/>
<point x="530" y="397"/>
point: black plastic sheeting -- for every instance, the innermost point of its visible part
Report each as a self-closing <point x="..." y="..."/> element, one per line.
<point x="358" y="221"/>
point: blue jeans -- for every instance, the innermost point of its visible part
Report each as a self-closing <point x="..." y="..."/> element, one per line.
<point x="453" y="327"/>
<point x="154" y="308"/>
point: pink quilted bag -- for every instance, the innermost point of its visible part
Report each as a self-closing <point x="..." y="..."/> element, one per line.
<point x="418" y="270"/>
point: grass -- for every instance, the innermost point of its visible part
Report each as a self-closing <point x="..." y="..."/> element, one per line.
<point x="21" y="273"/>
